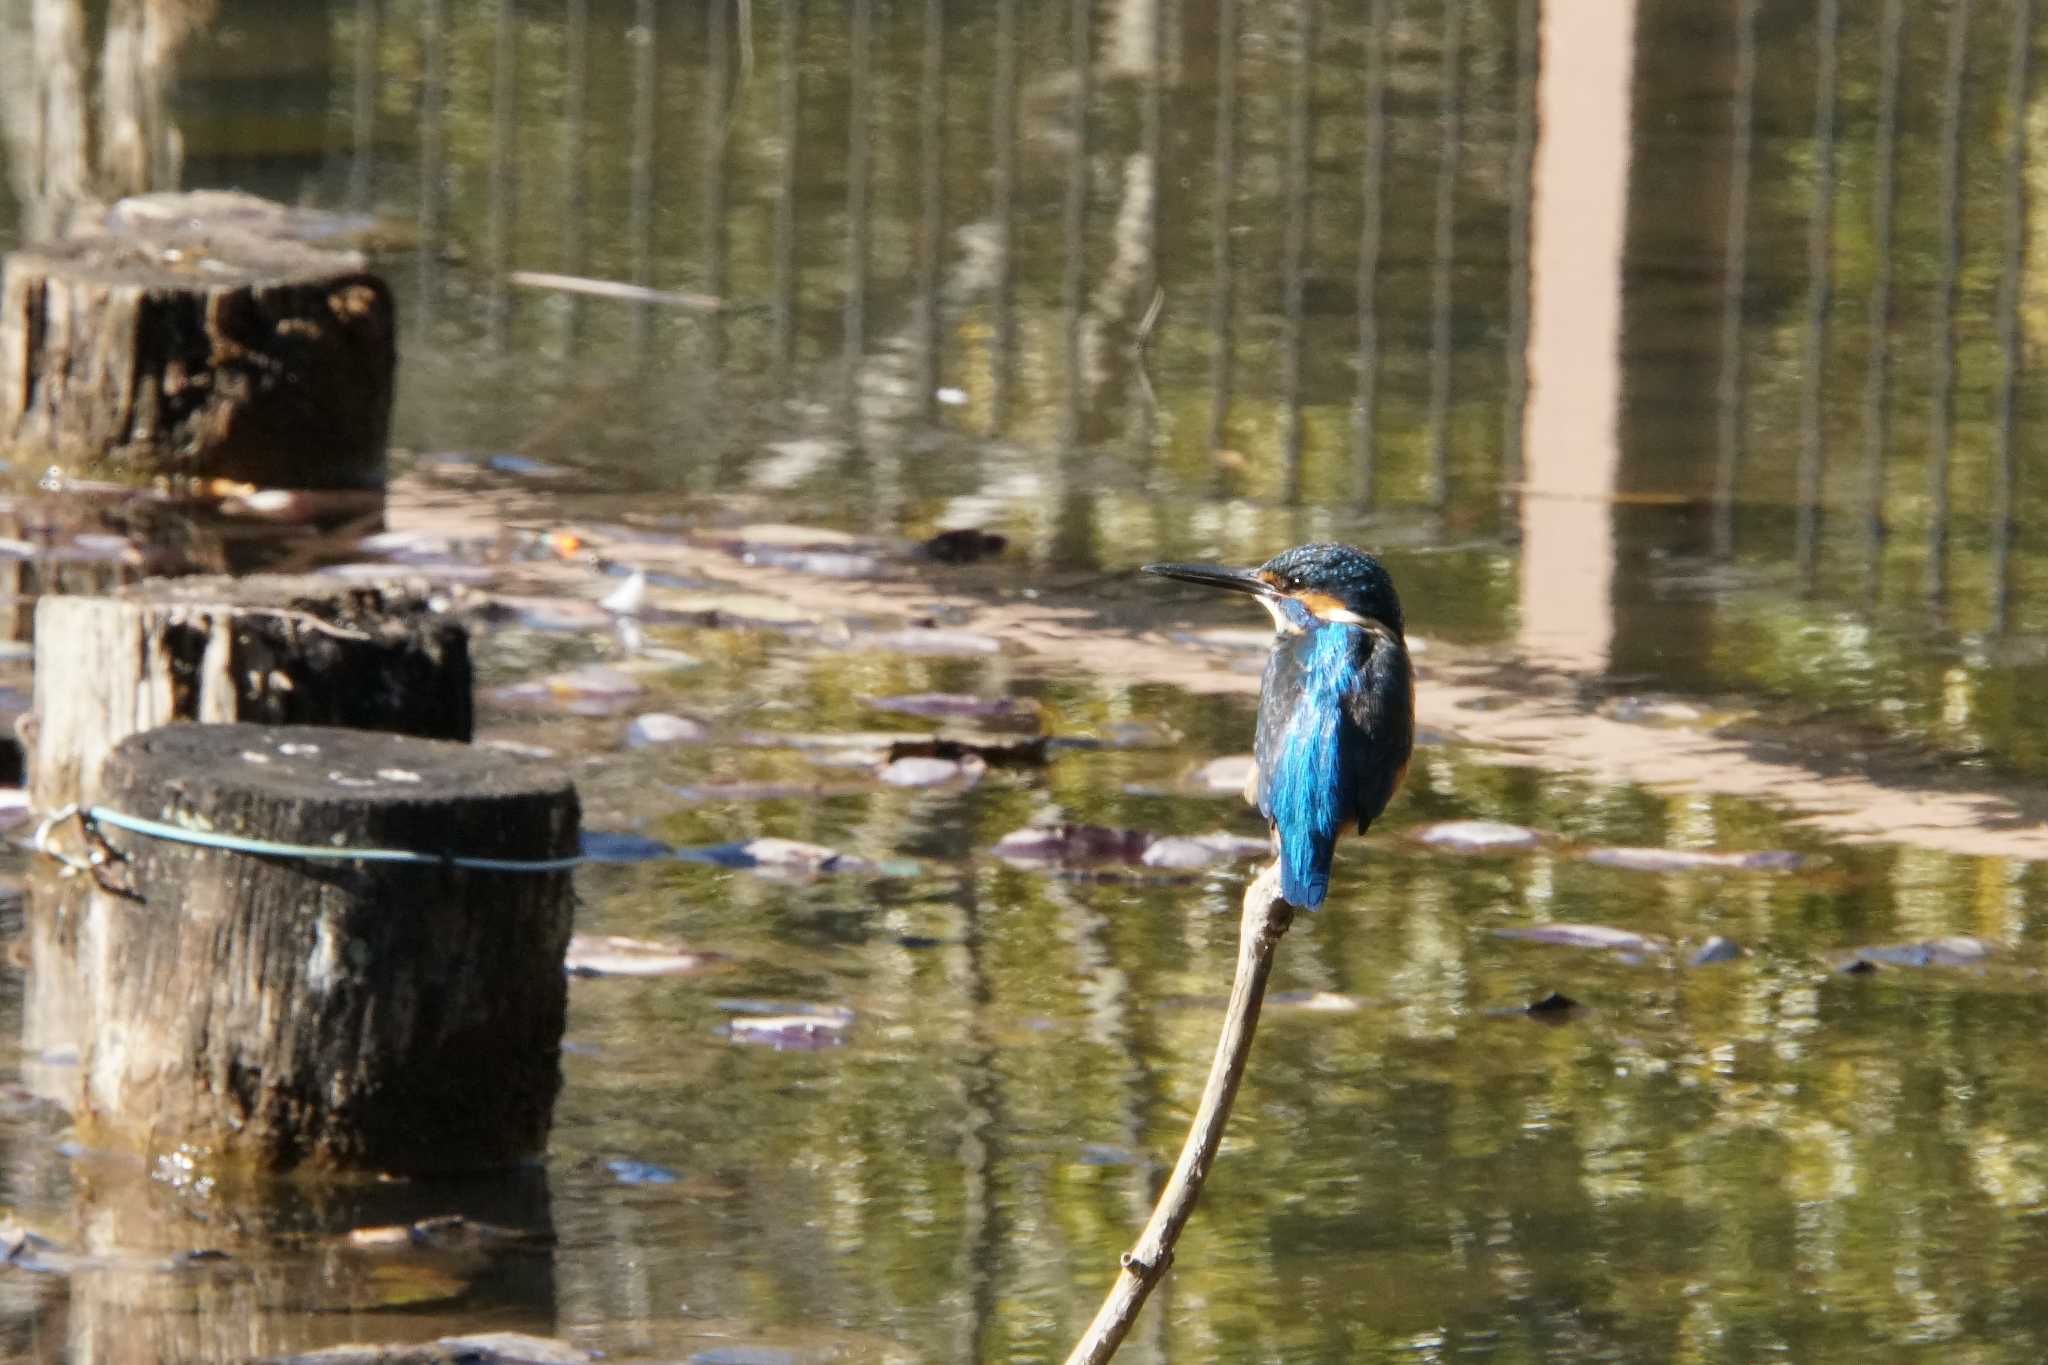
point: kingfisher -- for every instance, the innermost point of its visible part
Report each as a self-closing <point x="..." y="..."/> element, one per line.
<point x="1336" y="707"/>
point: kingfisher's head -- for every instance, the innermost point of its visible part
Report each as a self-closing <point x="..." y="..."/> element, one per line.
<point x="1308" y="583"/>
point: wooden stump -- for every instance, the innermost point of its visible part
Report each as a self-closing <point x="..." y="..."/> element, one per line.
<point x="277" y="1011"/>
<point x="277" y="650"/>
<point x="200" y="343"/>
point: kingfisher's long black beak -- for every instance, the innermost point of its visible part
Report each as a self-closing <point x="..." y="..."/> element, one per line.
<point x="1216" y="576"/>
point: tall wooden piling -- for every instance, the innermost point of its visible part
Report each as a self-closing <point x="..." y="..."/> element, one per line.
<point x="280" y="1010"/>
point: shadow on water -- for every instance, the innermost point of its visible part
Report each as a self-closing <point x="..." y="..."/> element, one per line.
<point x="1678" y="359"/>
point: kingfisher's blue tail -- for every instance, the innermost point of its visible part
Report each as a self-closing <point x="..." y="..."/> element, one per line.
<point x="1305" y="867"/>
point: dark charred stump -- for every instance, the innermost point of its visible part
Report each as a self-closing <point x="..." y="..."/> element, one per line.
<point x="198" y="341"/>
<point x="281" y="1012"/>
<point x="274" y="650"/>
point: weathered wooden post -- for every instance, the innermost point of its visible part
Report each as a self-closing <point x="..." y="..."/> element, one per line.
<point x="196" y="336"/>
<point x="326" y="948"/>
<point x="271" y="649"/>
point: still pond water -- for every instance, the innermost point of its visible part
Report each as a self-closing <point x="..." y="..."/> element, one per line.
<point x="1127" y="280"/>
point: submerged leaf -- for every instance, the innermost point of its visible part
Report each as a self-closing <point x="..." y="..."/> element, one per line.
<point x="613" y="955"/>
<point x="1715" y="949"/>
<point x="1694" y="860"/>
<point x="593" y="691"/>
<point x="1186" y="852"/>
<point x="1479" y="836"/>
<point x="1072" y="846"/>
<point x="1596" y="936"/>
<point x="1228" y="774"/>
<point x="659" y="727"/>
<point x="1952" y="951"/>
<point x="934" y="772"/>
<point x="787" y="1027"/>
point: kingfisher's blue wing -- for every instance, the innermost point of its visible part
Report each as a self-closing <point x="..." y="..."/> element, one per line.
<point x="1336" y="725"/>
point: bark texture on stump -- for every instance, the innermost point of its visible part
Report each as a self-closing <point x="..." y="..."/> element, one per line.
<point x="278" y="650"/>
<point x="200" y="344"/>
<point x="283" y="1012"/>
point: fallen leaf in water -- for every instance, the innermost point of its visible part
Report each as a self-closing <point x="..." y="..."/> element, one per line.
<point x="1072" y="846"/>
<point x="1952" y="951"/>
<point x="965" y="545"/>
<point x="659" y="727"/>
<point x="779" y="857"/>
<point x="1479" y="836"/>
<point x="592" y="691"/>
<point x="600" y="846"/>
<point x="1715" y="949"/>
<point x="628" y="1172"/>
<point x="934" y="772"/>
<point x="1597" y="936"/>
<point x="786" y="1027"/>
<point x="612" y="955"/>
<point x="446" y="1232"/>
<point x="1694" y="860"/>
<point x="1227" y="774"/>
<point x="1186" y="852"/>
<point x="959" y="706"/>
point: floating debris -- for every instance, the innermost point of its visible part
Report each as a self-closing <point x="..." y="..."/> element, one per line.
<point x="787" y="1027"/>
<point x="1694" y="860"/>
<point x="1715" y="949"/>
<point x="1479" y="836"/>
<point x="1600" y="937"/>
<point x="1188" y="852"/>
<point x="446" y="1232"/>
<point x="629" y="1172"/>
<point x="1228" y="774"/>
<point x="1957" y="950"/>
<point x="1007" y="711"/>
<point x="592" y="691"/>
<point x="783" y="857"/>
<point x="659" y="727"/>
<point x="1072" y="846"/>
<point x="918" y="771"/>
<point x="1552" y="1006"/>
<point x="628" y="598"/>
<point x="613" y="955"/>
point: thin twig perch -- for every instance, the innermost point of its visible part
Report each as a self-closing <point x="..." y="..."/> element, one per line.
<point x="1266" y="919"/>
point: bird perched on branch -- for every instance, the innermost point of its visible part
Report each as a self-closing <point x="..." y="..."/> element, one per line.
<point x="1336" y="708"/>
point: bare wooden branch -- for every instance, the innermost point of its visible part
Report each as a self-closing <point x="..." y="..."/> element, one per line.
<point x="1266" y="920"/>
